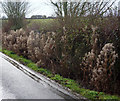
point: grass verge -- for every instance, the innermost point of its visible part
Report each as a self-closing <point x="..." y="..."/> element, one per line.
<point x="69" y="83"/>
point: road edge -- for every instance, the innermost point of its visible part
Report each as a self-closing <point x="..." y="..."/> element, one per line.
<point x="45" y="79"/>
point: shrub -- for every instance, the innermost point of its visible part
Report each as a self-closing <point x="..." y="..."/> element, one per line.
<point x="16" y="41"/>
<point x="63" y="51"/>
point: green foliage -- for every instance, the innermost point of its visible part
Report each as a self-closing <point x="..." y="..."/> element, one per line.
<point x="45" y="72"/>
<point x="71" y="84"/>
<point x="32" y="66"/>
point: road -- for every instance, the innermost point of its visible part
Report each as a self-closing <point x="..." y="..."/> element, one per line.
<point x="15" y="84"/>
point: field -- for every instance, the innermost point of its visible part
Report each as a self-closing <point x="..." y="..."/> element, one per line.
<point x="39" y="24"/>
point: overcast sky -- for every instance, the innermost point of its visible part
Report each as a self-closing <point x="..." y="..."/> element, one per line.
<point x="43" y="7"/>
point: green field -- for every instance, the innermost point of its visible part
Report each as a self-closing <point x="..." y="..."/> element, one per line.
<point x="39" y="24"/>
<point x="40" y="20"/>
<point x="42" y="24"/>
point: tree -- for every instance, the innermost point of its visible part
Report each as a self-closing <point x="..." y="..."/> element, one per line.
<point x="16" y="12"/>
<point x="82" y="8"/>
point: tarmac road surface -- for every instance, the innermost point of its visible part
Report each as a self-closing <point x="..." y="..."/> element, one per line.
<point x="15" y="84"/>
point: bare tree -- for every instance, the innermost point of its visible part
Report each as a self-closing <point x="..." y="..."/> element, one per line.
<point x="70" y="12"/>
<point x="16" y="12"/>
<point x="82" y="8"/>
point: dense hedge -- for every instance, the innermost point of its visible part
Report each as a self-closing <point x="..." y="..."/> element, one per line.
<point x="66" y="52"/>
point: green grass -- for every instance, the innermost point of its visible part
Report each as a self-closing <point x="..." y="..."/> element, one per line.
<point x="66" y="82"/>
<point x="40" y="20"/>
<point x="41" y="24"/>
<point x="0" y="49"/>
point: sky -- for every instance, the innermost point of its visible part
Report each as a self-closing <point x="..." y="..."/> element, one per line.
<point x="37" y="7"/>
<point x="42" y="7"/>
